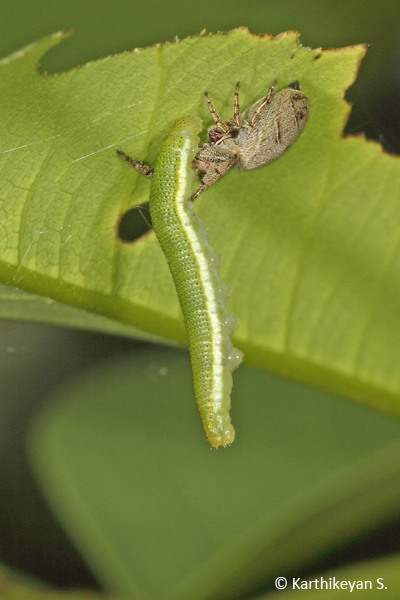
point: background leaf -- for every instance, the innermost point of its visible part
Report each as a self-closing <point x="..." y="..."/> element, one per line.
<point x="18" y="305"/>
<point x="122" y="459"/>
<point x="385" y="569"/>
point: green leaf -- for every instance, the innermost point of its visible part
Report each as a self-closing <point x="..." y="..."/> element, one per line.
<point x="310" y="242"/>
<point x="17" y="305"/>
<point x="122" y="459"/>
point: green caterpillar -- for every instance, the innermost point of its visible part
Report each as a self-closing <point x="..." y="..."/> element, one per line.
<point x="247" y="141"/>
<point x="194" y="268"/>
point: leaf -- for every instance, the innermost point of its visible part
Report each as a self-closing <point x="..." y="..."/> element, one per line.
<point x="310" y="242"/>
<point x="121" y="457"/>
<point x="18" y="305"/>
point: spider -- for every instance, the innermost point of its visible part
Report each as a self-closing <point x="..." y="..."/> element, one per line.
<point x="256" y="138"/>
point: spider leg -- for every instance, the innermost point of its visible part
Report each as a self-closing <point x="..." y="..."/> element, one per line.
<point x="199" y="190"/>
<point x="236" y="107"/>
<point x="256" y="117"/>
<point x="210" y="178"/>
<point x="213" y="163"/>
<point x="140" y="166"/>
<point x="215" y="115"/>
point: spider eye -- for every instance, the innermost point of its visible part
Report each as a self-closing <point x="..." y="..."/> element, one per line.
<point x="234" y="133"/>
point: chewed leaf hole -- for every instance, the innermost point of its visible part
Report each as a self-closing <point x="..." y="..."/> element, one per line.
<point x="135" y="223"/>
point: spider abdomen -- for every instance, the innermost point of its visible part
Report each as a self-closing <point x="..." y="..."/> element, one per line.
<point x="278" y="127"/>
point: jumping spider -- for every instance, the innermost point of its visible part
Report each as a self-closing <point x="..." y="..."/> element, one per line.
<point x="256" y="138"/>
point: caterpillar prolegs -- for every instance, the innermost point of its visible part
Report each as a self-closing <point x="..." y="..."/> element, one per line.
<point x="194" y="268"/>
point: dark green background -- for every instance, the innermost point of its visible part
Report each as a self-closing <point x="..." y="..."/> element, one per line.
<point x="106" y="27"/>
<point x="35" y="359"/>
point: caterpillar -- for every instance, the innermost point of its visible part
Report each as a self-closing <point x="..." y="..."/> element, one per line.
<point x="194" y="267"/>
<point x="248" y="141"/>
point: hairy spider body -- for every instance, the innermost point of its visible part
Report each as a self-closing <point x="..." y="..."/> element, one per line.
<point x="261" y="135"/>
